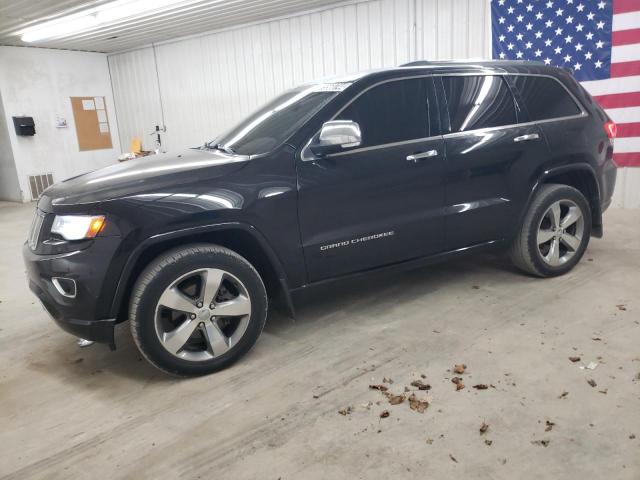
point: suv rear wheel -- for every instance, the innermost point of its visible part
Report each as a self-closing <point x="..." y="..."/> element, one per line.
<point x="555" y="232"/>
<point x="197" y="309"/>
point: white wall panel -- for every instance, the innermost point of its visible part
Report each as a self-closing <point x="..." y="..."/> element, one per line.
<point x="136" y="95"/>
<point x="207" y="83"/>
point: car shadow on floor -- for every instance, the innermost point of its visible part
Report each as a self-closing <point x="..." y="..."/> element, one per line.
<point x="318" y="304"/>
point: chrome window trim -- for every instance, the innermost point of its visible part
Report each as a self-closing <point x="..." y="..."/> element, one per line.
<point x="384" y="145"/>
<point x="583" y="113"/>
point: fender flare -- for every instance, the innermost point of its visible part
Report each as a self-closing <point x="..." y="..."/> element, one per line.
<point x="582" y="166"/>
<point x="133" y="258"/>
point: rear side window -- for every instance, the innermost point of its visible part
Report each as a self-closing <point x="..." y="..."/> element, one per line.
<point x="545" y="98"/>
<point x="479" y="102"/>
<point x="395" y="111"/>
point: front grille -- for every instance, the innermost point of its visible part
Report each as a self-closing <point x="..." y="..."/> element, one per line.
<point x="36" y="227"/>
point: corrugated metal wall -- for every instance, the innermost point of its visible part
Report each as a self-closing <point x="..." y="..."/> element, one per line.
<point x="202" y="85"/>
<point x="208" y="82"/>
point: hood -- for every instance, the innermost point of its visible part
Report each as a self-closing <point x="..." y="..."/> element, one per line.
<point x="142" y="175"/>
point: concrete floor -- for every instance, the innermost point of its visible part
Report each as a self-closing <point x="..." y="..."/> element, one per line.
<point x="71" y="413"/>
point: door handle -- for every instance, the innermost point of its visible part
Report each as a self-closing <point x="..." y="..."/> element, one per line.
<point x="524" y="138"/>
<point x="417" y="156"/>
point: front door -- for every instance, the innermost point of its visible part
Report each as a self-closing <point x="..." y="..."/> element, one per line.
<point x="382" y="201"/>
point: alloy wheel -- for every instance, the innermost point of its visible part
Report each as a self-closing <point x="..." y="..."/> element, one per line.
<point x="202" y="314"/>
<point x="560" y="232"/>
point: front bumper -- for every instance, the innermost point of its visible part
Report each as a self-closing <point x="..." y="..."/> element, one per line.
<point x="79" y="315"/>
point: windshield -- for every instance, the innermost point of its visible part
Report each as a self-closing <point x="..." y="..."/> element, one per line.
<point x="268" y="127"/>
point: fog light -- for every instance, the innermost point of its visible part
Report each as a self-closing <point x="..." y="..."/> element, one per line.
<point x="65" y="286"/>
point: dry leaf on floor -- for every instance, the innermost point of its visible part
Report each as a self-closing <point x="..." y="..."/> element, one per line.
<point x="387" y="380"/>
<point x="429" y="441"/>
<point x="563" y="395"/>
<point x="345" y="411"/>
<point x="549" y="426"/>
<point x="420" y="385"/>
<point x="384" y="414"/>
<point x="459" y="368"/>
<point x="592" y="382"/>
<point x="488" y="442"/>
<point x="544" y="443"/>
<point x="458" y="382"/>
<point x="382" y="388"/>
<point x="622" y="307"/>
<point x="416" y="404"/>
<point x="394" y="399"/>
<point x="574" y="359"/>
<point x="480" y="386"/>
<point x="453" y="458"/>
<point x="483" y="428"/>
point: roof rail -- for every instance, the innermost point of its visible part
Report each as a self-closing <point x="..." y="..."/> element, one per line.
<point x="426" y="63"/>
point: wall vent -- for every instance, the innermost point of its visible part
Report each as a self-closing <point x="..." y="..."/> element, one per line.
<point x="39" y="183"/>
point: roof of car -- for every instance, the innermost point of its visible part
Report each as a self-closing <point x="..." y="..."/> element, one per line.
<point x="468" y="66"/>
<point x="449" y="67"/>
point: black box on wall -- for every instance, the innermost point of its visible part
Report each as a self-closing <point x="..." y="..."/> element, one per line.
<point x="24" y="126"/>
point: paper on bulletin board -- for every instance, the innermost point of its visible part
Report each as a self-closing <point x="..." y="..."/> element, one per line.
<point x="99" y="103"/>
<point x="88" y="104"/>
<point x="102" y="116"/>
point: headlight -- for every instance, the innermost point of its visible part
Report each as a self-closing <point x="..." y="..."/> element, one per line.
<point x="77" y="227"/>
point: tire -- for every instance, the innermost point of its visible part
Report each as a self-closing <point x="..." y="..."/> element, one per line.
<point x="569" y="240"/>
<point x="170" y="303"/>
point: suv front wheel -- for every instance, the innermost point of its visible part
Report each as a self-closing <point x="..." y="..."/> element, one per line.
<point x="196" y="309"/>
<point x="555" y="232"/>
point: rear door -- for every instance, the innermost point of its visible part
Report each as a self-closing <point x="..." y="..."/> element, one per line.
<point x="374" y="205"/>
<point x="490" y="158"/>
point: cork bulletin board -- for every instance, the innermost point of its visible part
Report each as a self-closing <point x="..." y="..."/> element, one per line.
<point x="92" y="123"/>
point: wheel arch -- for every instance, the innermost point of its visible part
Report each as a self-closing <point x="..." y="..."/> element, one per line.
<point x="582" y="177"/>
<point x="244" y="239"/>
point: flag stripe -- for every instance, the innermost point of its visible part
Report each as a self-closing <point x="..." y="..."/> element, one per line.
<point x="624" y="115"/>
<point x="625" y="69"/>
<point x="617" y="85"/>
<point x="627" y="145"/>
<point x="623" y="6"/>
<point x="619" y="100"/>
<point x="627" y="159"/>
<point x="625" y="53"/>
<point x="626" y="21"/>
<point x="629" y="129"/>
<point x="625" y="37"/>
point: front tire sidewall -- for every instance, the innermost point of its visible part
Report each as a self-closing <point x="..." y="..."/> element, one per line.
<point x="165" y="272"/>
<point x="566" y="193"/>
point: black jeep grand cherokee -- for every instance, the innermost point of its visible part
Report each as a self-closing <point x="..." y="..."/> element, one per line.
<point x="383" y="169"/>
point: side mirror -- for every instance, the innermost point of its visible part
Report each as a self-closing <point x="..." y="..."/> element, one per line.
<point x="336" y="135"/>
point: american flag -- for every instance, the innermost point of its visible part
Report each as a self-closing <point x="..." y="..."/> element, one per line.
<point x="598" y="39"/>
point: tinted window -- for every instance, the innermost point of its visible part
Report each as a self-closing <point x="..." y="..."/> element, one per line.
<point x="391" y="112"/>
<point x="545" y="98"/>
<point x="269" y="126"/>
<point x="479" y="102"/>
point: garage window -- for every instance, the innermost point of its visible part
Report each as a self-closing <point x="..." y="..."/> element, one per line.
<point x="545" y="98"/>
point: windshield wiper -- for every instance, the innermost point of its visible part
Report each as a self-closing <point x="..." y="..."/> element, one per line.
<point x="219" y="146"/>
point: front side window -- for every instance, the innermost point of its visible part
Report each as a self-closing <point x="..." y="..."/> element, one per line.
<point x="272" y="124"/>
<point x="392" y="112"/>
<point x="481" y="101"/>
<point x="544" y="98"/>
